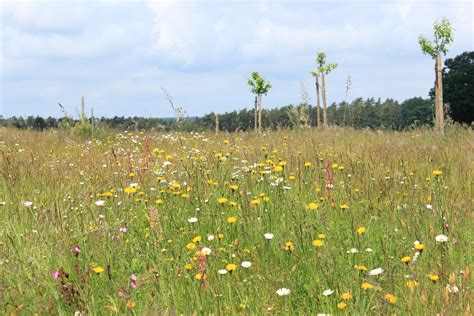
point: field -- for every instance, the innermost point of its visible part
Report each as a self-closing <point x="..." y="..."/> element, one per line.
<point x="289" y="222"/>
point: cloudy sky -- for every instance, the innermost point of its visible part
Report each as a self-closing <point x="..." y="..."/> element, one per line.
<point x="119" y="54"/>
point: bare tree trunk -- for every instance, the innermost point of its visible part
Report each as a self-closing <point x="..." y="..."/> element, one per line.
<point x="325" y="113"/>
<point x="318" y="105"/>
<point x="439" y="96"/>
<point x="255" y="114"/>
<point x="260" y="113"/>
<point x="217" y="123"/>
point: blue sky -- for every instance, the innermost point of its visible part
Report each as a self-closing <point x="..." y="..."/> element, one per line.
<point x="119" y="54"/>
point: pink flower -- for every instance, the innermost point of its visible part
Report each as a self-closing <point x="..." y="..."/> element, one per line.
<point x="123" y="229"/>
<point x="76" y="251"/>
<point x="121" y="293"/>
<point x="55" y="275"/>
<point x="133" y="281"/>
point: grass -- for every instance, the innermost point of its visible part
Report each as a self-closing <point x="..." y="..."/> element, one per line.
<point x="152" y="185"/>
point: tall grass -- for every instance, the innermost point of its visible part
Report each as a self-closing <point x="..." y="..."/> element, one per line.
<point x="295" y="185"/>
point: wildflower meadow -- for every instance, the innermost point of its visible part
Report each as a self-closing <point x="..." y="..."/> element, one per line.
<point x="313" y="221"/>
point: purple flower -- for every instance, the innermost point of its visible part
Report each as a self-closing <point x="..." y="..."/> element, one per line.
<point x="121" y="293"/>
<point x="123" y="229"/>
<point x="55" y="275"/>
<point x="76" y="251"/>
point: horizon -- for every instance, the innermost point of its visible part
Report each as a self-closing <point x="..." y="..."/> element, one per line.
<point x="54" y="52"/>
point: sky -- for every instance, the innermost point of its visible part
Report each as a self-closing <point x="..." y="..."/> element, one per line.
<point x="119" y="54"/>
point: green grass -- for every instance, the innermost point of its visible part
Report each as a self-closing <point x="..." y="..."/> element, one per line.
<point x="385" y="178"/>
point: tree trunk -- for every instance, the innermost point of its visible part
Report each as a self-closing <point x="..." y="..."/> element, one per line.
<point x="255" y="114"/>
<point x="260" y="113"/>
<point x="439" y="96"/>
<point x="325" y="113"/>
<point x="318" y="105"/>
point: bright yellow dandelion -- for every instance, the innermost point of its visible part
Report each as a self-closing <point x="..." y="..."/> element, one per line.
<point x="197" y="239"/>
<point x="255" y="202"/>
<point x="437" y="172"/>
<point x="411" y="284"/>
<point x="318" y="242"/>
<point x="366" y="286"/>
<point x="188" y="266"/>
<point x="191" y="246"/>
<point x="98" y="270"/>
<point x="289" y="246"/>
<point x="360" y="230"/>
<point x="308" y="164"/>
<point x="278" y="169"/>
<point x="392" y="299"/>
<point x="346" y="296"/>
<point x="343" y="206"/>
<point x="198" y="277"/>
<point x="322" y="236"/>
<point x="433" y="277"/>
<point x="131" y="304"/>
<point x="360" y="267"/>
<point x="130" y="190"/>
<point x="312" y="206"/>
<point x="158" y="202"/>
<point x="419" y="247"/>
<point x="231" y="219"/>
<point x="341" y="305"/>
<point x="406" y="259"/>
<point x="230" y="267"/>
<point x="222" y="200"/>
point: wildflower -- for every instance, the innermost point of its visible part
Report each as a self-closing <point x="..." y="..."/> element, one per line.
<point x="133" y="281"/>
<point x="328" y="292"/>
<point x="222" y="200"/>
<point x="211" y="237"/>
<point x="191" y="246"/>
<point x="188" y="266"/>
<point x="360" y="267"/>
<point x="255" y="202"/>
<point x="308" y="164"/>
<point x="376" y="272"/>
<point x="231" y="267"/>
<point x="353" y="250"/>
<point x="318" y="243"/>
<point x="346" y="296"/>
<point x="158" y="201"/>
<point x="27" y="203"/>
<point x="289" y="246"/>
<point x="411" y="284"/>
<point x="360" y="230"/>
<point x="441" y="238"/>
<point x="312" y="206"/>
<point x="206" y="251"/>
<point x="76" y="250"/>
<point x="283" y="291"/>
<point x="123" y="230"/>
<point x="343" y="206"/>
<point x="231" y="219"/>
<point x="131" y="304"/>
<point x="322" y="236"/>
<point x="278" y="169"/>
<point x="341" y="305"/>
<point x="197" y="239"/>
<point x="198" y="277"/>
<point x="366" y="286"/>
<point x="121" y="293"/>
<point x="55" y="274"/>
<point x="98" y="270"/>
<point x="433" y="277"/>
<point x="130" y="190"/>
<point x="392" y="299"/>
<point x="192" y="220"/>
<point x="369" y="250"/>
<point x="419" y="247"/>
<point x="222" y="271"/>
<point x="452" y="288"/>
<point x="406" y="259"/>
<point x="437" y="172"/>
<point x="268" y="236"/>
<point x="246" y="264"/>
<point x="100" y="203"/>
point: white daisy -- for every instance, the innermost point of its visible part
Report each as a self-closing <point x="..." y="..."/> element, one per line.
<point x="268" y="236"/>
<point x="283" y="291"/>
<point x="441" y="238"/>
<point x="193" y="219"/>
<point x="376" y="271"/>
<point x="246" y="264"/>
<point x="328" y="292"/>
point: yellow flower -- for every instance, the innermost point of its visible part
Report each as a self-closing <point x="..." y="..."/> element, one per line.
<point x="232" y="203"/>
<point x="308" y="164"/>
<point x="341" y="305"/>
<point x="433" y="277"/>
<point x="198" y="277"/>
<point x="406" y="259"/>
<point x="412" y="284"/>
<point x="437" y="172"/>
<point x="231" y="219"/>
<point x="346" y="296"/>
<point x="234" y="187"/>
<point x="188" y="266"/>
<point x="130" y="190"/>
<point x="159" y="201"/>
<point x="131" y="304"/>
<point x="366" y="286"/>
<point x="322" y="236"/>
<point x="360" y="268"/>
<point x="266" y="198"/>
<point x="312" y="206"/>
<point x="392" y="299"/>
<point x="230" y="267"/>
<point x="289" y="246"/>
<point x="318" y="243"/>
<point x="222" y="200"/>
<point x="98" y="270"/>
<point x="197" y="239"/>
<point x="255" y="202"/>
<point x="191" y="246"/>
<point x="220" y="236"/>
<point x="176" y="185"/>
<point x="360" y="230"/>
<point x="344" y="206"/>
<point x="419" y="247"/>
<point x="278" y="169"/>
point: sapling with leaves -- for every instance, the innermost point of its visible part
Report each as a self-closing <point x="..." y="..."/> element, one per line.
<point x="259" y="86"/>
<point x="324" y="69"/>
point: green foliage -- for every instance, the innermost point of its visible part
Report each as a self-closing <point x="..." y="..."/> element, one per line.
<point x="458" y="87"/>
<point x="443" y="36"/>
<point x="258" y="84"/>
<point x="417" y="112"/>
<point x="323" y="68"/>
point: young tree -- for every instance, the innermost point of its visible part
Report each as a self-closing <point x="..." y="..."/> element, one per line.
<point x="259" y="86"/>
<point x="443" y="36"/>
<point x="315" y="74"/>
<point x="324" y="69"/>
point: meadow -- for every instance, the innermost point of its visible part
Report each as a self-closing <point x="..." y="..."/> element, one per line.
<point x="335" y="221"/>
